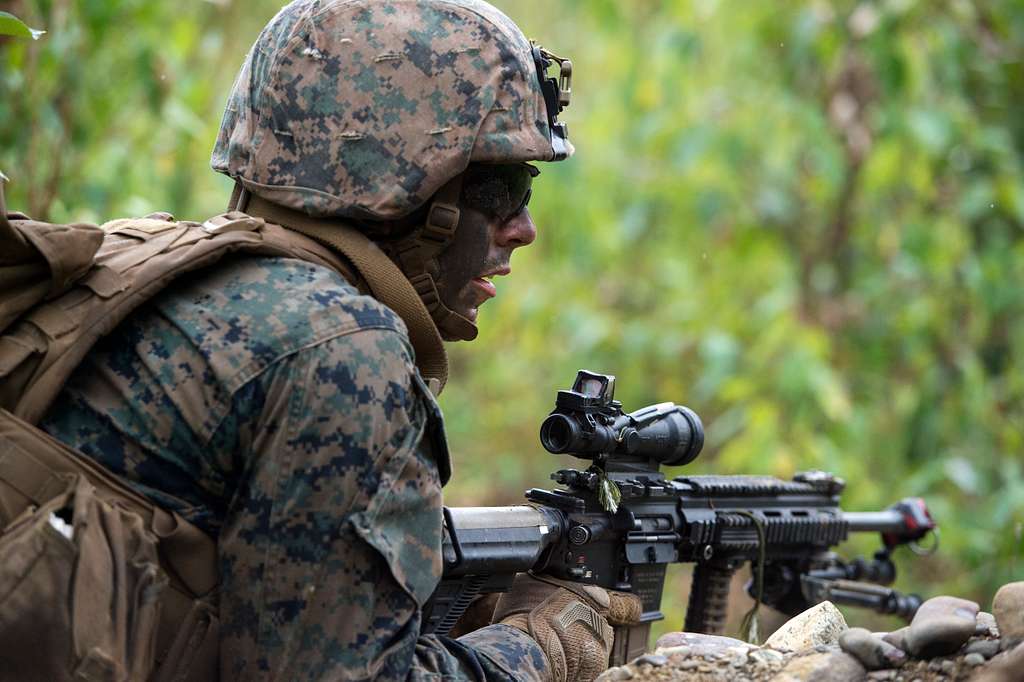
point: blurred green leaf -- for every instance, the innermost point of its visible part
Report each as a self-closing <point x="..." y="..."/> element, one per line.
<point x="11" y="25"/>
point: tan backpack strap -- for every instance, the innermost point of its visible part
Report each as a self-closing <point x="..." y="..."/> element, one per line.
<point x="23" y="472"/>
<point x="386" y="282"/>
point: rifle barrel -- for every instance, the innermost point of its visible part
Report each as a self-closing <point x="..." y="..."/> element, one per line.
<point x="888" y="521"/>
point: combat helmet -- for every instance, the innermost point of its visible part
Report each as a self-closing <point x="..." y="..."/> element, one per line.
<point x="367" y="110"/>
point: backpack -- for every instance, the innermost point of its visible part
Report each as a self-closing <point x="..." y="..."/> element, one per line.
<point x="97" y="582"/>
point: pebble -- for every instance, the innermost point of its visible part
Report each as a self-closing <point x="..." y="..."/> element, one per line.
<point x="1004" y="668"/>
<point x="898" y="638"/>
<point x="834" y="666"/>
<point x="699" y="644"/>
<point x="688" y="665"/>
<point x="974" y="659"/>
<point x="615" y="674"/>
<point x="820" y="624"/>
<point x="767" y="656"/>
<point x="873" y="652"/>
<point x="986" y="647"/>
<point x="1008" y="609"/>
<point x="941" y="626"/>
<point x="986" y="625"/>
<point x="881" y="674"/>
<point x="657" y="660"/>
<point x="681" y="650"/>
<point x="947" y="666"/>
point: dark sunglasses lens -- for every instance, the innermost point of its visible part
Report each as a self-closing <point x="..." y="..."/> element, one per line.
<point x="501" y="191"/>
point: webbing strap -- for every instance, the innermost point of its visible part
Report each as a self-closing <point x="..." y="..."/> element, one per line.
<point x="386" y="282"/>
<point x="23" y="472"/>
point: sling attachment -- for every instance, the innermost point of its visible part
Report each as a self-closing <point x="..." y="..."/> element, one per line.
<point x="385" y="280"/>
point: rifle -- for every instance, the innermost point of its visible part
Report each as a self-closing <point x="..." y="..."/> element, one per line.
<point x="619" y="523"/>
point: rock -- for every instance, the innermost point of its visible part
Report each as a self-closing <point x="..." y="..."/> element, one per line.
<point x="1008" y="609"/>
<point x="871" y="651"/>
<point x="738" y="659"/>
<point x="882" y="674"/>
<point x="974" y="659"/>
<point x="766" y="656"/>
<point x="985" y="625"/>
<point x="817" y="625"/>
<point x="834" y="666"/>
<point x="947" y="666"/>
<point x="1003" y="668"/>
<point x="941" y="626"/>
<point x="700" y="645"/>
<point x="657" y="660"/>
<point x="615" y="674"/>
<point x="898" y="638"/>
<point x="670" y="651"/>
<point x="986" y="647"/>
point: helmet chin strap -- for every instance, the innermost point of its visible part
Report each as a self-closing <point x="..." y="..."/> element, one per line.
<point x="416" y="255"/>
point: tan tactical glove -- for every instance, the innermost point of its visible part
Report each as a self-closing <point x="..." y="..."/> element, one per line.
<point x="570" y="622"/>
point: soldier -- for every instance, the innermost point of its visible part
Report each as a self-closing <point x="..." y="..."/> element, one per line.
<point x="283" y="406"/>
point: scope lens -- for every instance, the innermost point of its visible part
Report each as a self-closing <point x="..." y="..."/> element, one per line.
<point x="557" y="433"/>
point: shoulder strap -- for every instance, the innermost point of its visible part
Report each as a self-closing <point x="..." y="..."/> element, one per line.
<point x="386" y="282"/>
<point x="39" y="260"/>
<point x="137" y="259"/>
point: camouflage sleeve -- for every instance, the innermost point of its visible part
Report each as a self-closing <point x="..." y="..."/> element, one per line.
<point x="331" y="543"/>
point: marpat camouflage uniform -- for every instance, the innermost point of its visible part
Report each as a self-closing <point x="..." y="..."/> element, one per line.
<point x="278" y="409"/>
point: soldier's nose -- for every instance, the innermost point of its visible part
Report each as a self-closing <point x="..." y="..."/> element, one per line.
<point x="517" y="231"/>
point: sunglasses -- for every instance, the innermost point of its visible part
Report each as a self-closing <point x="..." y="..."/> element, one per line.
<point x="500" y="191"/>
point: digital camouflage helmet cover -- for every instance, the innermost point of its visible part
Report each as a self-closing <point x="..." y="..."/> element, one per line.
<point x="364" y="110"/>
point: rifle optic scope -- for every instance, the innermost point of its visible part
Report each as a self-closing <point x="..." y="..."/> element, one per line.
<point x="587" y="422"/>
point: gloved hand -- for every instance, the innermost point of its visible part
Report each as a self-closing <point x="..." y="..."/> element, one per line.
<point x="571" y="622"/>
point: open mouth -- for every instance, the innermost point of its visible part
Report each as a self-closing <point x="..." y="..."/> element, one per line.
<point x="485" y="286"/>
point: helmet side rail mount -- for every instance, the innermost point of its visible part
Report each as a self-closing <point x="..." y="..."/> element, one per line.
<point x="557" y="93"/>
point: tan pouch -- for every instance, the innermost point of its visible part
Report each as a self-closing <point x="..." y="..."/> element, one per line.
<point x="95" y="567"/>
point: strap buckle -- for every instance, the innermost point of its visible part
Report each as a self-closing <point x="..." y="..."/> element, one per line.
<point x="425" y="288"/>
<point x="442" y="221"/>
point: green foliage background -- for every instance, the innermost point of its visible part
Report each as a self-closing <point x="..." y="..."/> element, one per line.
<point x="803" y="219"/>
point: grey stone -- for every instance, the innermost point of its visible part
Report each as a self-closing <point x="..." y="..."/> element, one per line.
<point x="1003" y="668"/>
<point x="986" y="626"/>
<point x="767" y="656"/>
<point x="681" y="650"/>
<point x="834" y="666"/>
<point x="616" y="674"/>
<point x="1008" y="609"/>
<point x="688" y="665"/>
<point x="738" y="659"/>
<point x="898" y="638"/>
<point x="986" y="647"/>
<point x="817" y="625"/>
<point x="941" y="626"/>
<point x="873" y="652"/>
<point x="657" y="660"/>
<point x="947" y="666"/>
<point x="701" y="645"/>
<point x="974" y="659"/>
<point x="1007" y="643"/>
